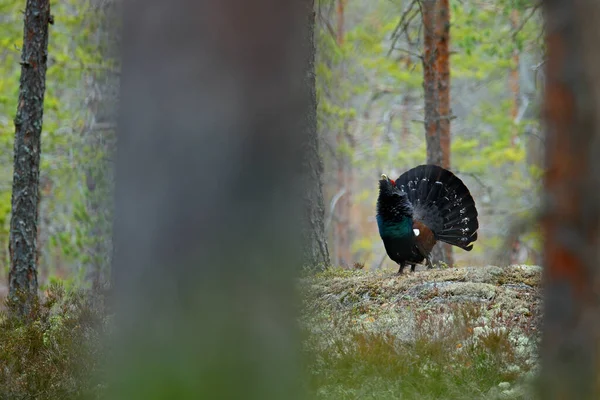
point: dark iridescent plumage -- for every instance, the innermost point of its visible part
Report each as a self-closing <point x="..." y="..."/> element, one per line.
<point x="425" y="204"/>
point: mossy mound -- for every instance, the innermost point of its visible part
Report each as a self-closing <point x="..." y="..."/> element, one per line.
<point x="442" y="333"/>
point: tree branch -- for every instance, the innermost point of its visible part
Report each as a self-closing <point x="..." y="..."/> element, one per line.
<point x="525" y="20"/>
<point x="412" y="53"/>
<point x="332" y="205"/>
<point x="403" y="21"/>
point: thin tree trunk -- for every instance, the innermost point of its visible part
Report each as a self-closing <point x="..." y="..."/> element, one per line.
<point x="432" y="134"/>
<point x="339" y="10"/>
<point x="405" y="117"/>
<point x="514" y="79"/>
<point x="209" y="198"/>
<point x="436" y="81"/>
<point x="316" y="253"/>
<point x="343" y="224"/>
<point x="342" y="220"/>
<point x="571" y="342"/>
<point x="514" y="111"/>
<point x="443" y="74"/>
<point x="22" y="276"/>
<point x="442" y="67"/>
<point x="406" y="104"/>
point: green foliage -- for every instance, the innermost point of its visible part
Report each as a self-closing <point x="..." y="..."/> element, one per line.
<point x="54" y="353"/>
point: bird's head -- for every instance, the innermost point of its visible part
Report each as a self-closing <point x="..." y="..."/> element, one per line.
<point x="387" y="187"/>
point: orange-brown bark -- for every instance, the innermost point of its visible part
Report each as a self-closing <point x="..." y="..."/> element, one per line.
<point x="443" y="74"/>
<point x="571" y="222"/>
<point x="442" y="67"/>
<point x="565" y="163"/>
<point x="429" y="82"/>
<point x="436" y="81"/>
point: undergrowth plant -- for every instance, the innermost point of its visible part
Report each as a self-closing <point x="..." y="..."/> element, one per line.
<point x="55" y="352"/>
<point x="456" y="353"/>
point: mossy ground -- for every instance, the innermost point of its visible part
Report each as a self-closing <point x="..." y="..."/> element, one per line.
<point x="467" y="333"/>
<point x="464" y="333"/>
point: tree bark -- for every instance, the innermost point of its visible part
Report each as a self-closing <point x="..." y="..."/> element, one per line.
<point x="316" y="252"/>
<point x="209" y="198"/>
<point x="22" y="276"/>
<point x="436" y="82"/>
<point x="432" y="116"/>
<point x="571" y="225"/>
<point x="442" y="68"/>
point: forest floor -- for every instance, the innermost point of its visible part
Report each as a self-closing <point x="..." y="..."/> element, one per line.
<point x="458" y="333"/>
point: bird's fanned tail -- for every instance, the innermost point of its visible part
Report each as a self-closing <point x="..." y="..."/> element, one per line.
<point x="443" y="203"/>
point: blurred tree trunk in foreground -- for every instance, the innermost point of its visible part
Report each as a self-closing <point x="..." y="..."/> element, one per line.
<point x="316" y="252"/>
<point x="22" y="277"/>
<point x="571" y="346"/>
<point x="209" y="198"/>
<point x="436" y="82"/>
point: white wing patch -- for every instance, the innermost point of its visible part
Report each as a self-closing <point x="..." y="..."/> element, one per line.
<point x="416" y="232"/>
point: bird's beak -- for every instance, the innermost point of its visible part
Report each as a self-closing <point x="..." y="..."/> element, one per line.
<point x="384" y="177"/>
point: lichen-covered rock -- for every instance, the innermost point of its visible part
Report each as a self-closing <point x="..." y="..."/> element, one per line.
<point x="460" y="312"/>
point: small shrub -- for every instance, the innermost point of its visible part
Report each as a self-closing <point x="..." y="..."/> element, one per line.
<point x="55" y="351"/>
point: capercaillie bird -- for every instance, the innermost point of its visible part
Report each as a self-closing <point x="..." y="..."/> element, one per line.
<point x="426" y="204"/>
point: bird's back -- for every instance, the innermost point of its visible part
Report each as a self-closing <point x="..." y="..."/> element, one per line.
<point x="442" y="206"/>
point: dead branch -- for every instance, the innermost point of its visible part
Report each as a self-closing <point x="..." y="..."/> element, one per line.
<point x="525" y="20"/>
<point x="401" y="24"/>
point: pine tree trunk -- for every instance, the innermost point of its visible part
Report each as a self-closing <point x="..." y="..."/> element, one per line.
<point x="571" y="341"/>
<point x="443" y="74"/>
<point x="442" y="67"/>
<point x="432" y="133"/>
<point x="436" y="82"/>
<point x="316" y="252"/>
<point x="28" y="130"/>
